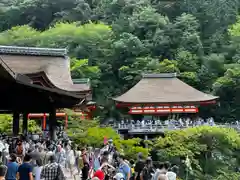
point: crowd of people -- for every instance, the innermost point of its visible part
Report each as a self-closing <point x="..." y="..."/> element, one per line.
<point x="108" y="164"/>
<point x="171" y="123"/>
<point x="41" y="159"/>
<point x="36" y="157"/>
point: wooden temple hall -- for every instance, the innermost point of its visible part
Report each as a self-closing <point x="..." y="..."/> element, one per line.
<point x="160" y="97"/>
<point x="38" y="80"/>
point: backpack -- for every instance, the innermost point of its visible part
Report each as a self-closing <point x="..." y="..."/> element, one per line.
<point x="147" y="173"/>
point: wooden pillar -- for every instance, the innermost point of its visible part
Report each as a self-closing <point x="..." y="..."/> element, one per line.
<point x="25" y="124"/>
<point x="15" y="127"/>
<point x="52" y="124"/>
<point x="66" y="121"/>
<point x="44" y="122"/>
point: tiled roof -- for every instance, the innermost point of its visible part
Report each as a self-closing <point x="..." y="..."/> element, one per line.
<point x="24" y="80"/>
<point x="53" y="62"/>
<point x="163" y="88"/>
<point x="32" y="51"/>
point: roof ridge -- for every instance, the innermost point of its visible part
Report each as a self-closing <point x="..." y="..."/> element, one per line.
<point x="33" y="51"/>
<point x="160" y="75"/>
<point x="81" y="80"/>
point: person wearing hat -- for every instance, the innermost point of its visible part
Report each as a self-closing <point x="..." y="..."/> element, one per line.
<point x="172" y="173"/>
<point x="111" y="147"/>
<point x="12" y="166"/>
<point x="118" y="176"/>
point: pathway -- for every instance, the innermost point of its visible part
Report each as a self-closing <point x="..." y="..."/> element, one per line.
<point x="68" y="175"/>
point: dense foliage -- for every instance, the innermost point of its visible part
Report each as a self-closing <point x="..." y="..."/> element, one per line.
<point x="88" y="133"/>
<point x="114" y="41"/>
<point x="213" y="152"/>
<point x="6" y="125"/>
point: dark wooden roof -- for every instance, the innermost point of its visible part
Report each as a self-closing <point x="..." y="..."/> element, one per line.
<point x="18" y="93"/>
<point x="53" y="62"/>
<point x="163" y="88"/>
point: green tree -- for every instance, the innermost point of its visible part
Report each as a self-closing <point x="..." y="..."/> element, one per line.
<point x="213" y="151"/>
<point x="40" y="14"/>
<point x="90" y="133"/>
<point x="227" y="88"/>
<point x="6" y="125"/>
<point x="120" y="39"/>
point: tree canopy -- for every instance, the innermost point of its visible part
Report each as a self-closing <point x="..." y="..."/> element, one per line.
<point x="213" y="152"/>
<point x="113" y="42"/>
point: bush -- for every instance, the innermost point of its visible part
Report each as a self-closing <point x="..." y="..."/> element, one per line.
<point x="6" y="125"/>
<point x="89" y="133"/>
<point x="211" y="151"/>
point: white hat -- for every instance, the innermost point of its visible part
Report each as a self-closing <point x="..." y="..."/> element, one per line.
<point x="119" y="176"/>
<point x="171" y="175"/>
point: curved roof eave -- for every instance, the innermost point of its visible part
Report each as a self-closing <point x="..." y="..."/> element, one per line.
<point x="162" y="89"/>
<point x="164" y="102"/>
<point x="75" y="87"/>
<point x="56" y="69"/>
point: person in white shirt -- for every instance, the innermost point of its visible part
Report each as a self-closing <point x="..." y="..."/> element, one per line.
<point x="161" y="170"/>
<point x="60" y="155"/>
<point x="211" y="121"/>
<point x="26" y="145"/>
<point x="37" y="170"/>
<point x="5" y="152"/>
<point x="187" y="122"/>
<point x="2" y="147"/>
<point x="166" y="123"/>
<point x="122" y="123"/>
<point x="180" y="122"/>
<point x="70" y="158"/>
<point x="199" y="122"/>
<point x="143" y="123"/>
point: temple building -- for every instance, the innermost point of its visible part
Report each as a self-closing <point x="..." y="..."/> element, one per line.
<point x="159" y="97"/>
<point x="48" y="68"/>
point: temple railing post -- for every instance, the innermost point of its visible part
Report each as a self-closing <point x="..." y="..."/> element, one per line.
<point x="25" y="124"/>
<point x="52" y="124"/>
<point x="15" y="125"/>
